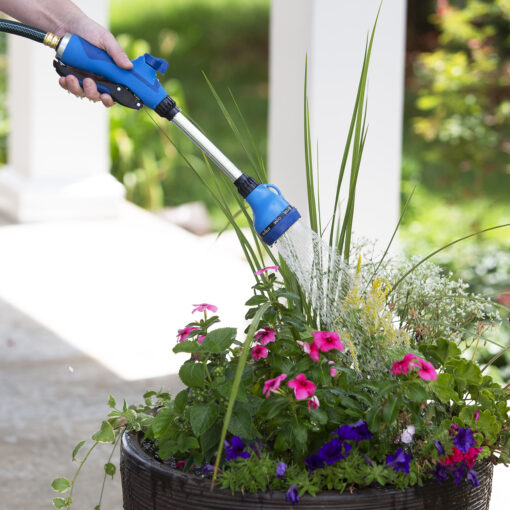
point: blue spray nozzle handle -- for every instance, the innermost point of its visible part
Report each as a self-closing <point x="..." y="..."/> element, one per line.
<point x="142" y="79"/>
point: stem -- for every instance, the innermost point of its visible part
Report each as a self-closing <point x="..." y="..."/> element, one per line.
<point x="476" y="348"/>
<point x="77" y="473"/>
<point x="109" y="459"/>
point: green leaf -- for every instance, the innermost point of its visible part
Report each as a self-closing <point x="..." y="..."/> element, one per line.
<point x="320" y="415"/>
<point x="299" y="432"/>
<point x="465" y="372"/>
<point x="110" y="469"/>
<point x="77" y="448"/>
<point x="416" y="392"/>
<point x="209" y="439"/>
<point x="60" y="485"/>
<point x="391" y="410"/>
<point x="105" y="434"/>
<point x="187" y="346"/>
<point x="202" y="416"/>
<point x="187" y="443"/>
<point x="167" y="448"/>
<point x="193" y="374"/>
<point x="219" y="340"/>
<point x="489" y="425"/>
<point x="443" y="387"/>
<point x="374" y="418"/>
<point x="59" y="502"/>
<point x="467" y="415"/>
<point x="258" y="299"/>
<point x="163" y="425"/>
<point x="181" y="400"/>
<point x="241" y="423"/>
<point x="225" y="390"/>
<point x="441" y="352"/>
<point x="111" y="402"/>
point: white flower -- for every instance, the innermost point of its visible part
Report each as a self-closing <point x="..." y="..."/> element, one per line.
<point x="407" y="435"/>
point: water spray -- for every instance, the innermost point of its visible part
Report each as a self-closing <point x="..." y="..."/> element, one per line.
<point x="138" y="87"/>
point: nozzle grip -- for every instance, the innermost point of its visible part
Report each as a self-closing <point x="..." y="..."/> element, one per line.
<point x="119" y="93"/>
<point x="141" y="80"/>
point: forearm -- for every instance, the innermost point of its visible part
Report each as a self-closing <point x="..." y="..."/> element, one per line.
<point x="50" y="15"/>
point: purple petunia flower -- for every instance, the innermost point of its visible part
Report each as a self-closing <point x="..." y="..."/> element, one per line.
<point x="280" y="469"/>
<point x="235" y="449"/>
<point x="292" y="495"/>
<point x="399" y="462"/>
<point x="346" y="433"/>
<point x="458" y="473"/>
<point x="314" y="462"/>
<point x="208" y="468"/>
<point x="334" y="450"/>
<point x="471" y="476"/>
<point x="440" y="473"/>
<point x="362" y="430"/>
<point x="439" y="447"/>
<point x="357" y="432"/>
<point x="464" y="440"/>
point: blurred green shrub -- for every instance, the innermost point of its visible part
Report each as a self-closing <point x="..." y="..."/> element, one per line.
<point x="227" y="40"/>
<point x="463" y="98"/>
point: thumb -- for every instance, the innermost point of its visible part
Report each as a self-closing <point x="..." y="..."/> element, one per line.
<point x="113" y="49"/>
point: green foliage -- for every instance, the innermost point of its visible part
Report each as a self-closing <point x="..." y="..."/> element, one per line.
<point x="462" y="98"/>
<point x="225" y="40"/>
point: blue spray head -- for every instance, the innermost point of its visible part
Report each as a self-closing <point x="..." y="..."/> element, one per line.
<point x="272" y="214"/>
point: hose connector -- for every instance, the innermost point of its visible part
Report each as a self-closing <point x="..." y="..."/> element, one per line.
<point x="51" y="40"/>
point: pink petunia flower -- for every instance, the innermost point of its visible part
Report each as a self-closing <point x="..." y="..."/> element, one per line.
<point x="427" y="371"/>
<point x="202" y="307"/>
<point x="332" y="370"/>
<point x="200" y="339"/>
<point x="471" y="456"/>
<point x="184" y="333"/>
<point x="313" y="403"/>
<point x="477" y="415"/>
<point x="327" y="341"/>
<point x="453" y="458"/>
<point x="302" y="387"/>
<point x="271" y="385"/>
<point x="264" y="269"/>
<point x="402" y="366"/>
<point x="310" y="349"/>
<point x="265" y="336"/>
<point x="259" y="351"/>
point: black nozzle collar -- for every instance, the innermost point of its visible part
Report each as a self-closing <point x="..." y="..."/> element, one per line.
<point x="245" y="185"/>
<point x="167" y="108"/>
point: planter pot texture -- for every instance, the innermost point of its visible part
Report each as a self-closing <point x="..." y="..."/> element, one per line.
<point x="149" y="485"/>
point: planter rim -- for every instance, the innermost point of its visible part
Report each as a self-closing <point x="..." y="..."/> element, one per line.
<point x="131" y="445"/>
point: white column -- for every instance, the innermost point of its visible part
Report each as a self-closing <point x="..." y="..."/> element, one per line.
<point x="58" y="163"/>
<point x="333" y="33"/>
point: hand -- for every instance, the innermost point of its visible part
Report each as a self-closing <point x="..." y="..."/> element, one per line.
<point x="102" y="38"/>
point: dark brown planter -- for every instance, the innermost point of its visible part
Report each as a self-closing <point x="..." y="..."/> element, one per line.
<point x="149" y="485"/>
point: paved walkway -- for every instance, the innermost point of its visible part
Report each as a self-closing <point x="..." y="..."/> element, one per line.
<point x="92" y="308"/>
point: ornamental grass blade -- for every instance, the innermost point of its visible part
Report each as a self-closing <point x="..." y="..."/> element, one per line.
<point x="335" y="229"/>
<point x="310" y="188"/>
<point x="235" y="387"/>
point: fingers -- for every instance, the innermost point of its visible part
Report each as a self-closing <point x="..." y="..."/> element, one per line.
<point x="113" y="49"/>
<point x="89" y="90"/>
<point x="107" y="100"/>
